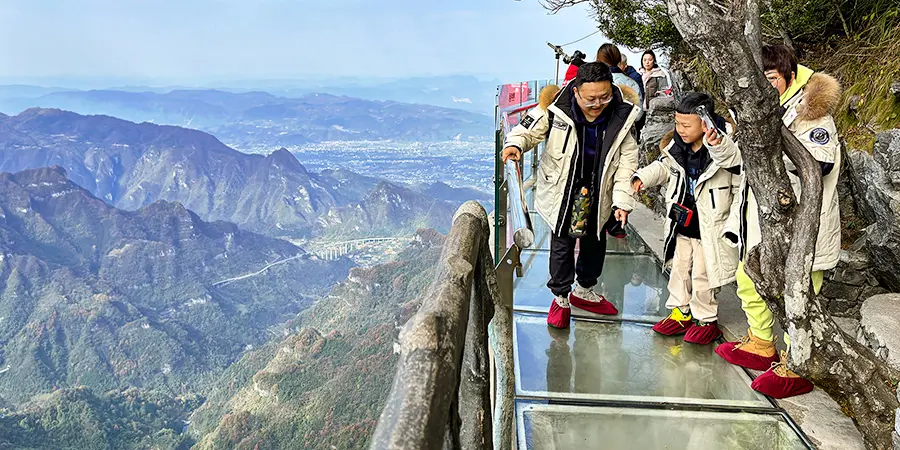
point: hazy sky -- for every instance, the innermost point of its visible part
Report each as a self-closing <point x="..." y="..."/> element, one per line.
<point x="198" y="41"/>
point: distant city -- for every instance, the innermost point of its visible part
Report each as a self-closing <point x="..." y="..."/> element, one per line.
<point x="456" y="163"/>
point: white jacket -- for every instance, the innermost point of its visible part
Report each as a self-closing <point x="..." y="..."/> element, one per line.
<point x="808" y="116"/>
<point x="553" y="190"/>
<point x="717" y="195"/>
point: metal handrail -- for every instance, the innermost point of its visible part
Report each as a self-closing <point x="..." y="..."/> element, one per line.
<point x="523" y="233"/>
<point x="520" y="109"/>
<point x="514" y="206"/>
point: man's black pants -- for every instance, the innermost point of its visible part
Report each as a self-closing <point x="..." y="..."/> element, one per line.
<point x="563" y="266"/>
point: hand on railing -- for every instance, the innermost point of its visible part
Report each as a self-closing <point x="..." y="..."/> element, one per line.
<point x="511" y="153"/>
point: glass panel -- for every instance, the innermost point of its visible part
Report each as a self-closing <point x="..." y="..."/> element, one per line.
<point x="623" y="361"/>
<point x="632" y="243"/>
<point x="633" y="283"/>
<point x="541" y="231"/>
<point x="542" y="426"/>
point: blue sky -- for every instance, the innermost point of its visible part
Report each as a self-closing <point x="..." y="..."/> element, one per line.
<point x="194" y="41"/>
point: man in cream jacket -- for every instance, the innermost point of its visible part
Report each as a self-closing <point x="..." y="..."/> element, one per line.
<point x="591" y="150"/>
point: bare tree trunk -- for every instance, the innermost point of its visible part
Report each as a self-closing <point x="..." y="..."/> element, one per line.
<point x="780" y="266"/>
<point x="753" y="30"/>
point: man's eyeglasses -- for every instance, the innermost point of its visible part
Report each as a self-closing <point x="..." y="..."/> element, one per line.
<point x="773" y="77"/>
<point x="594" y="102"/>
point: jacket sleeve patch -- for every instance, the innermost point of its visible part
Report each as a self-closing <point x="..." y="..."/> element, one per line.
<point x="819" y="136"/>
<point x="527" y="122"/>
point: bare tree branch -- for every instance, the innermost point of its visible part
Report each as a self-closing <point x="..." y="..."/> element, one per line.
<point x="555" y="6"/>
<point x="798" y="265"/>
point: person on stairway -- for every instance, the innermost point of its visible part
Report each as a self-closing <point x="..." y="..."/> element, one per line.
<point x="701" y="195"/>
<point x="634" y="75"/>
<point x="583" y="180"/>
<point x="808" y="101"/>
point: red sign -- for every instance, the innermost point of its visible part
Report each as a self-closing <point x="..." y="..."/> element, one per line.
<point x="514" y="94"/>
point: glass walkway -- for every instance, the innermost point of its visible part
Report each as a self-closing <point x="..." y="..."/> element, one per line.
<point x="610" y="382"/>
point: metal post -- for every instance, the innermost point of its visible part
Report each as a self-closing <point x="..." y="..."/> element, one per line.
<point x="500" y="196"/>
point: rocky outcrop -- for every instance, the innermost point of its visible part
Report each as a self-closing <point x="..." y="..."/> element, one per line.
<point x="876" y="185"/>
<point x="876" y="329"/>
<point x="887" y="154"/>
<point x="660" y="120"/>
<point x="879" y="322"/>
<point x="895" y="89"/>
<point x="850" y="284"/>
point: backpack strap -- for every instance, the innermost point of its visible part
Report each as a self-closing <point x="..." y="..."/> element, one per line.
<point x="550" y="117"/>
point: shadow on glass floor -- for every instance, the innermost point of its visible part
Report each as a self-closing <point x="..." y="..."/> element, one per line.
<point x="634" y="283"/>
<point x="544" y="426"/>
<point x="623" y="361"/>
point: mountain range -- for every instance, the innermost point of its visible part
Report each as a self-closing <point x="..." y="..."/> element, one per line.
<point x="250" y="120"/>
<point x="156" y="298"/>
<point x="146" y="300"/>
<point x="132" y="165"/>
<point x="320" y="383"/>
<point x="452" y="91"/>
<point x="323" y="386"/>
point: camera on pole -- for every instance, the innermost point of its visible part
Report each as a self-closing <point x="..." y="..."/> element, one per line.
<point x="576" y="59"/>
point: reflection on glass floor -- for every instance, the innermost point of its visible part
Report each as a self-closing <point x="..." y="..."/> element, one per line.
<point x="622" y="361"/>
<point x="546" y="427"/>
<point x="631" y="243"/>
<point x="634" y="284"/>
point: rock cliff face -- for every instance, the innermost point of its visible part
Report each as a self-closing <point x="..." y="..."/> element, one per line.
<point x="876" y="185"/>
<point x="850" y="283"/>
<point x="132" y="165"/>
<point x="94" y="296"/>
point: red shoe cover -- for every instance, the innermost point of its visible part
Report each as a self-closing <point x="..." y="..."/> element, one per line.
<point x="703" y="335"/>
<point x="776" y="386"/>
<point x="741" y="358"/>
<point x="602" y="307"/>
<point x="672" y="327"/>
<point x="558" y="317"/>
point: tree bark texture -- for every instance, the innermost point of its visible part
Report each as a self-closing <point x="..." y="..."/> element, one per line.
<point x="780" y="266"/>
<point x="475" y="383"/>
<point x="500" y="339"/>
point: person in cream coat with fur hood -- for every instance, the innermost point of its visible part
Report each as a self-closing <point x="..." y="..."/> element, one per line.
<point x="808" y="100"/>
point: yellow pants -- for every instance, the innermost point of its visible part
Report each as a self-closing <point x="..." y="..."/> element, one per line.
<point x="760" y="318"/>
